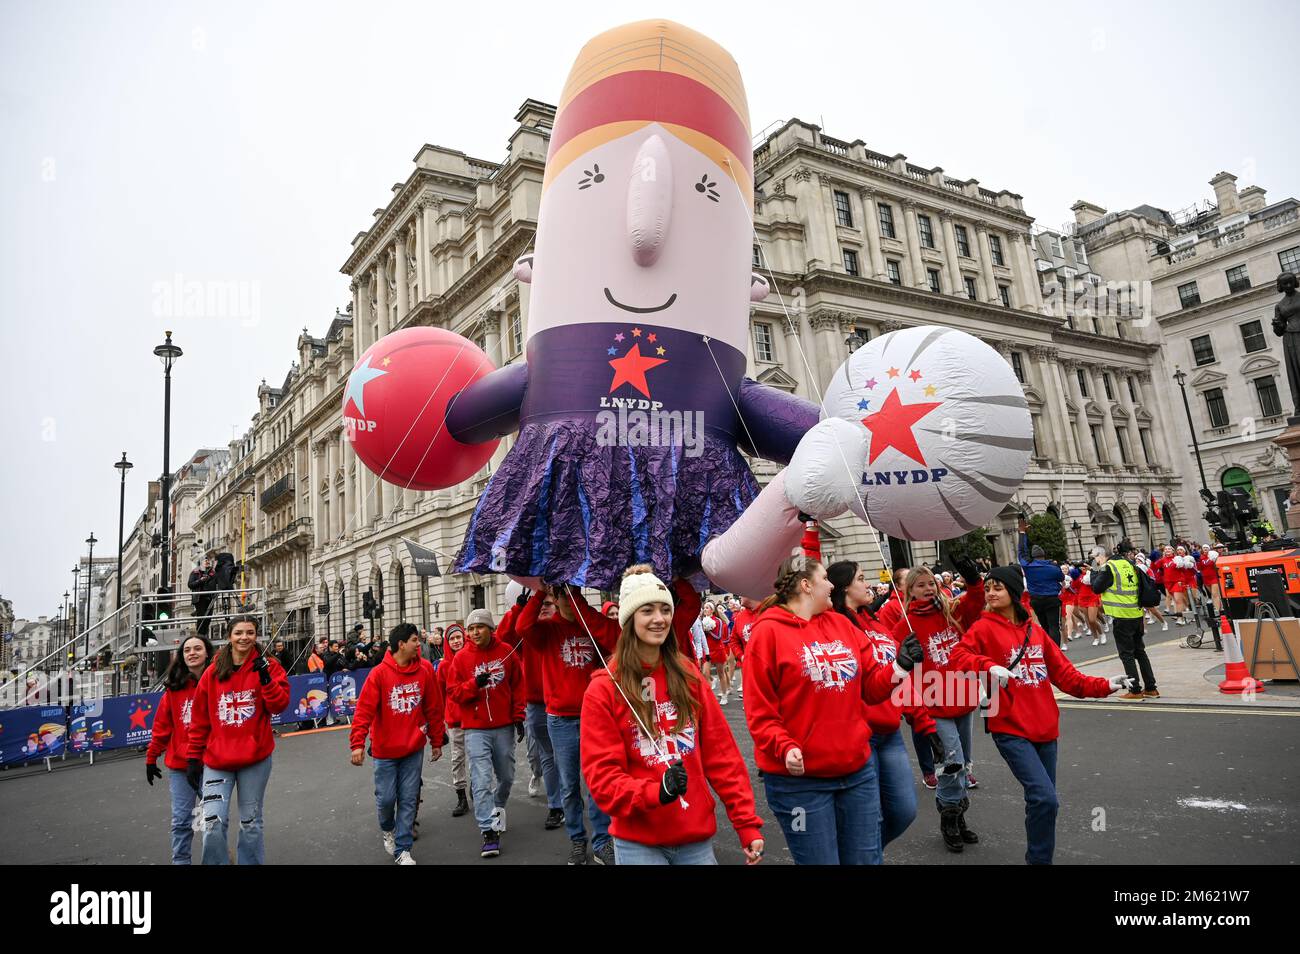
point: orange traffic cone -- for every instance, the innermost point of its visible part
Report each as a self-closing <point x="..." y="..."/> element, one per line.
<point x="1236" y="678"/>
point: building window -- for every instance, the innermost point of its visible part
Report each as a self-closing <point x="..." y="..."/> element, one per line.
<point x="925" y="230"/>
<point x="1080" y="254"/>
<point x="995" y="247"/>
<point x="963" y="243"/>
<point x="1105" y="381"/>
<point x="1144" y="436"/>
<point x="886" y="221"/>
<point x="1252" y="336"/>
<point x="1121" y="433"/>
<point x="895" y="277"/>
<point x="1018" y="366"/>
<point x="1289" y="260"/>
<point x="516" y="334"/>
<point x="1266" y="389"/>
<point x="1083" y="382"/>
<point x="932" y="279"/>
<point x="843" y="212"/>
<point x="1095" y="431"/>
<point x="1132" y="390"/>
<point x="1005" y="294"/>
<point x="757" y="260"/>
<point x="970" y="287"/>
<point x="1217" y="407"/>
<point x="1202" y="350"/>
<point x="1036" y="420"/>
<point x="1238" y="279"/>
<point x="762" y="341"/>
<point x="851" y="261"/>
<point x="1188" y="295"/>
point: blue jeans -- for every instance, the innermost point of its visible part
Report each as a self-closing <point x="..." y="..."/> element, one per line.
<point x="635" y="853"/>
<point x="218" y="785"/>
<point x="397" y="794"/>
<point x="538" y="738"/>
<point x="924" y="754"/>
<point x="897" y="789"/>
<point x="564" y="732"/>
<point x="184" y="799"/>
<point x="490" y="751"/>
<point x="955" y="736"/>
<point x="1034" y="766"/>
<point x="829" y="821"/>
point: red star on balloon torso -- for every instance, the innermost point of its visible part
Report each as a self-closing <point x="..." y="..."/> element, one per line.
<point x="891" y="426"/>
<point x="631" y="369"/>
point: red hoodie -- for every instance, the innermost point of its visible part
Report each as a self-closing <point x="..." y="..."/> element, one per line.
<point x="398" y="707"/>
<point x="624" y="769"/>
<point x="567" y="656"/>
<point x="807" y="686"/>
<point x="450" y="711"/>
<point x="889" y="614"/>
<point x="1026" y="706"/>
<point x="173" y="719"/>
<point x="529" y="659"/>
<point x="230" y="724"/>
<point x="883" y="717"/>
<point x="742" y="630"/>
<point x="501" y="701"/>
<point x="947" y="697"/>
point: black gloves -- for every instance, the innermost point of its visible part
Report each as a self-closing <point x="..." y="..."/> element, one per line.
<point x="880" y="600"/>
<point x="482" y="679"/>
<point x="194" y="774"/>
<point x="936" y="747"/>
<point x="673" y="784"/>
<point x="968" y="570"/>
<point x="522" y="598"/>
<point x="263" y="670"/>
<point x="151" y="772"/>
<point x="519" y="731"/>
<point x="910" y="653"/>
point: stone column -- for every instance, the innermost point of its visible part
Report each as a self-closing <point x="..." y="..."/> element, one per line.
<point x="331" y="471"/>
<point x="357" y="324"/>
<point x="814" y="218"/>
<point x="951" y="256"/>
<point x="381" y="293"/>
<point x="1026" y="273"/>
<point x="836" y="261"/>
<point x="910" y="209"/>
<point x="492" y="335"/>
<point x="1053" y="409"/>
<point x="827" y="346"/>
<point x="421" y="255"/>
<point x="317" y="502"/>
<point x="1076" y="395"/>
<point x="1108" y="419"/>
<point x="872" y="215"/>
<point x="793" y="360"/>
<point x="400" y="273"/>
<point x="986" y="265"/>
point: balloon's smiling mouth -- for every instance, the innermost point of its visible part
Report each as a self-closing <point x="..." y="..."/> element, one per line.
<point x="640" y="311"/>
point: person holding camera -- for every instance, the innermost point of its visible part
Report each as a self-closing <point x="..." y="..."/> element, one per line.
<point x="202" y="581"/>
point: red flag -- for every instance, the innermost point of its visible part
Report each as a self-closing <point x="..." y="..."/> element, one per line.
<point x="1155" y="508"/>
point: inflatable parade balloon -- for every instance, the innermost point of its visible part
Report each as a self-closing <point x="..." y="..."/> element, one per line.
<point x="394" y="412"/>
<point x="928" y="436"/>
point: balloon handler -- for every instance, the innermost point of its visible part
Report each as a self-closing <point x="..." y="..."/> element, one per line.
<point x="632" y="407"/>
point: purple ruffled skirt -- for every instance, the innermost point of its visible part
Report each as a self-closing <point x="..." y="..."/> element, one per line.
<point x="565" y="508"/>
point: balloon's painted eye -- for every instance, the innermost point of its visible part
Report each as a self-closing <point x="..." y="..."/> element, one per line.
<point x="707" y="187"/>
<point x="591" y="176"/>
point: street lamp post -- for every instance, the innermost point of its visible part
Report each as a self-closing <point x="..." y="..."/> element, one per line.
<point x="123" y="466"/>
<point x="167" y="353"/>
<point x="1078" y="539"/>
<point x="63" y="633"/>
<point x="76" y="600"/>
<point x="1181" y="377"/>
<point x="90" y="579"/>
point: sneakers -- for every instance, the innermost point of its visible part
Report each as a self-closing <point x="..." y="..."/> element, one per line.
<point x="1132" y="696"/>
<point x="1096" y="640"/>
<point x="491" y="845"/>
<point x="405" y="858"/>
<point x="554" y="819"/>
<point x="1147" y="617"/>
<point x="1151" y="693"/>
<point x="390" y="842"/>
<point x="1065" y="647"/>
<point x="715" y="684"/>
<point x="723" y="701"/>
<point x="930" y="780"/>
<point x="1164" y="626"/>
<point x="604" y="855"/>
<point x="578" y="853"/>
<point x="534" y="786"/>
<point x="948" y="827"/>
<point x="462" y="804"/>
<point x="971" y="781"/>
<point x="1103" y="639"/>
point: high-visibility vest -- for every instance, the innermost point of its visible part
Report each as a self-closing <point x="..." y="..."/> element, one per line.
<point x="1121" y="599"/>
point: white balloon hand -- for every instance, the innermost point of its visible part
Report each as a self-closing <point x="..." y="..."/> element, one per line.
<point x="826" y="469"/>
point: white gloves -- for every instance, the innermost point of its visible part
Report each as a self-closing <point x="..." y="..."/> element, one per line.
<point x="1001" y="673"/>
<point x="1120" y="682"/>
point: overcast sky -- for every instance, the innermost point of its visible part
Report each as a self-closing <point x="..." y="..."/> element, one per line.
<point x="149" y="143"/>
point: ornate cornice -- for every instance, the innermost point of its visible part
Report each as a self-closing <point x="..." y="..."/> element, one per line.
<point x="826" y="320"/>
<point x="802" y="174"/>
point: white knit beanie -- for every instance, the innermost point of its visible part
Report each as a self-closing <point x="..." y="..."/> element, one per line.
<point x="640" y="589"/>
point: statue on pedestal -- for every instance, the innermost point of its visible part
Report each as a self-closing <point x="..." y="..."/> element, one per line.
<point x="1286" y="325"/>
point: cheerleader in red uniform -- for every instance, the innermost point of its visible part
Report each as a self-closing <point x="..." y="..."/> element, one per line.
<point x="1089" y="603"/>
<point x="1068" y="594"/>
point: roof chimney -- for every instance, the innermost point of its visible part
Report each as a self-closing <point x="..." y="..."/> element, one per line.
<point x="1225" y="193"/>
<point x="1086" y="213"/>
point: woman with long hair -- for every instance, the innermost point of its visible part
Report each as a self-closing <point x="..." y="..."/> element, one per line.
<point x="653" y="734"/>
<point x="231" y="740"/>
<point x="810" y="674"/>
<point x="1025" y="663"/>
<point x="171" y="728"/>
<point x="852" y="598"/>
<point x="939" y="624"/>
<point x="454" y="642"/>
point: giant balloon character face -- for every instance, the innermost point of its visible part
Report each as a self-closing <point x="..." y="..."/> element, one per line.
<point x="933" y="429"/>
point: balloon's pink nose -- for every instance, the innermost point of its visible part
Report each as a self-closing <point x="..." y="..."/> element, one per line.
<point x="650" y="201"/>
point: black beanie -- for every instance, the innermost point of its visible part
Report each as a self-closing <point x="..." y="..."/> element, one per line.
<point x="1010" y="577"/>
